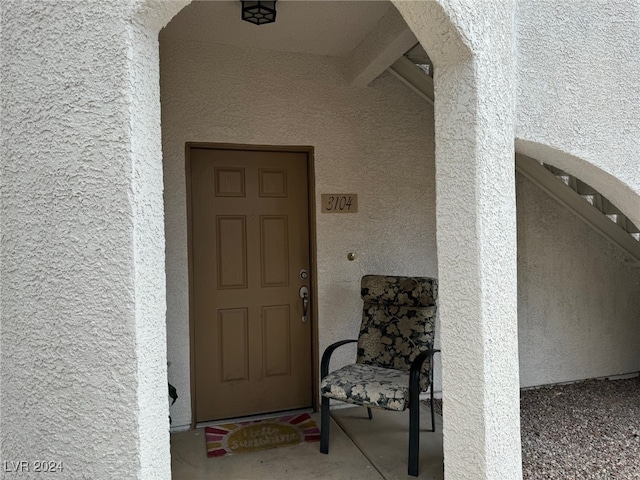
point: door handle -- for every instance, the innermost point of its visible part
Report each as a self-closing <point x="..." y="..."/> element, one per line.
<point x="304" y="295"/>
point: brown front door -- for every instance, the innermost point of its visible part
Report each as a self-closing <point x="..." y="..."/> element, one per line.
<point x="249" y="240"/>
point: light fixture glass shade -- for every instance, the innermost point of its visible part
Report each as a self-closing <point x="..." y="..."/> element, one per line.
<point x="259" y="12"/>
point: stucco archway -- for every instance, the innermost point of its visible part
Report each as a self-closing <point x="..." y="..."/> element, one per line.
<point x="478" y="296"/>
<point x="83" y="302"/>
<point x="474" y="160"/>
<point x="82" y="233"/>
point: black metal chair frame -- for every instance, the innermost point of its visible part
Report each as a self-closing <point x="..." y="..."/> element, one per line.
<point x="414" y="403"/>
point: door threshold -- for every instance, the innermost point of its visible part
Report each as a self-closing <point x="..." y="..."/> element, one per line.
<point x="253" y="418"/>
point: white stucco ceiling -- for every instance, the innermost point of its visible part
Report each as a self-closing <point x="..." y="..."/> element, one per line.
<point x="331" y="28"/>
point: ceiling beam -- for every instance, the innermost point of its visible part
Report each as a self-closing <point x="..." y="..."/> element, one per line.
<point x="388" y="41"/>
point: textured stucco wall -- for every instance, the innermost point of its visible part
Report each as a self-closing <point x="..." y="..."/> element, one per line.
<point x="81" y="254"/>
<point x="149" y="16"/>
<point x="579" y="91"/>
<point x="471" y="45"/>
<point x="578" y="302"/>
<point x="375" y="141"/>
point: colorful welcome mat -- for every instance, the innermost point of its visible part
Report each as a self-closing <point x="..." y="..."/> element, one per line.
<point x="255" y="435"/>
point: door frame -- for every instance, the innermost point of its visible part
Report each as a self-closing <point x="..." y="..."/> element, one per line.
<point x="309" y="151"/>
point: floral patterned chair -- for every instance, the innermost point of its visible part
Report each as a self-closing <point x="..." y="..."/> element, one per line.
<point x="395" y="354"/>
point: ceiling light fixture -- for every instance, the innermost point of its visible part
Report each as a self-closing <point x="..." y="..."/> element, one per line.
<point x="259" y="12"/>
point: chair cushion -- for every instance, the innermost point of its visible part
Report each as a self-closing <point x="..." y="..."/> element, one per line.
<point x="368" y="385"/>
<point x="398" y="322"/>
<point x="394" y="290"/>
<point x="392" y="336"/>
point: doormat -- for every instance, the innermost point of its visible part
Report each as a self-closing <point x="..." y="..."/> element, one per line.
<point x="263" y="434"/>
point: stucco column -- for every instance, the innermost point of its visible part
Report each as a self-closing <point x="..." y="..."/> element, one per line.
<point x="82" y="287"/>
<point x="471" y="46"/>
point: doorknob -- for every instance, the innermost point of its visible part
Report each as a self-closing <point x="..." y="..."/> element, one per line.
<point x="304" y="295"/>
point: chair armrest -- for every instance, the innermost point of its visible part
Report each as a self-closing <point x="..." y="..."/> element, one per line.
<point x="416" y="368"/>
<point x="326" y="356"/>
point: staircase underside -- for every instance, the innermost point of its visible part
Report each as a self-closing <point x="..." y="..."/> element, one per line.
<point x="585" y="202"/>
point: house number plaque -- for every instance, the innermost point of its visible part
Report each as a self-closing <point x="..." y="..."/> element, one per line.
<point x="339" y="203"/>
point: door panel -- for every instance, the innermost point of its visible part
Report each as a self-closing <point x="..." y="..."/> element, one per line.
<point x="233" y="328"/>
<point x="274" y="249"/>
<point x="277" y="340"/>
<point x="249" y="241"/>
<point x="231" y="250"/>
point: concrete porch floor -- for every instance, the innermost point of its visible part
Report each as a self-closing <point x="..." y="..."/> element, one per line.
<point x="358" y="449"/>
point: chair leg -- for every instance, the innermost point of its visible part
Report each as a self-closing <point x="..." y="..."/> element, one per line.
<point x="324" y="425"/>
<point x="370" y="413"/>
<point x="433" y="417"/>
<point x="414" y="438"/>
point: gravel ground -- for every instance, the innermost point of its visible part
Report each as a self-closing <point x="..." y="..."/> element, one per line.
<point x="587" y="430"/>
